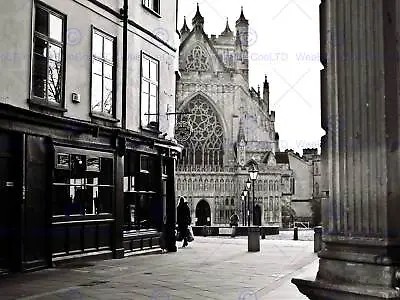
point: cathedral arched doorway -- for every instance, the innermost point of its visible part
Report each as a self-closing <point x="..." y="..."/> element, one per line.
<point x="257" y="215"/>
<point x="203" y="213"/>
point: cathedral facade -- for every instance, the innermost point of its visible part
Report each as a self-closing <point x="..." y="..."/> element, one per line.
<point x="226" y="127"/>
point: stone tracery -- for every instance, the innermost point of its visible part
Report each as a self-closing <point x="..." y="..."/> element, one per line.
<point x="197" y="60"/>
<point x="205" y="146"/>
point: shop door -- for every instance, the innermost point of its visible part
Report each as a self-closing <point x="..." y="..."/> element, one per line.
<point x="9" y="214"/>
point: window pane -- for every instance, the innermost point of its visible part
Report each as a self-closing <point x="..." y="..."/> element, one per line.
<point x="41" y="21"/>
<point x="153" y="90"/>
<point x="39" y="83"/>
<point x="108" y="49"/>
<point x="156" y="5"/>
<point x="153" y="71"/>
<point x="145" y="67"/>
<point x="61" y="201"/>
<point x="153" y="111"/>
<point x="106" y="174"/>
<point x="97" y="67"/>
<point x="89" y="204"/>
<point x="78" y="198"/>
<point x="40" y="47"/>
<point x="54" y="82"/>
<point x="145" y="87"/>
<point x="55" y="53"/>
<point x="144" y="109"/>
<point x="108" y="71"/>
<point x="153" y="105"/>
<point x="56" y="31"/>
<point x="104" y="201"/>
<point x="97" y="45"/>
<point x="107" y="106"/>
<point x="97" y="87"/>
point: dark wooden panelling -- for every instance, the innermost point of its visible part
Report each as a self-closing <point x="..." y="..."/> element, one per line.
<point x="104" y="235"/>
<point x="155" y="242"/>
<point x="74" y="238"/>
<point x="136" y="244"/>
<point x="146" y="243"/>
<point x="59" y="239"/>
<point x="90" y="237"/>
<point x="127" y="245"/>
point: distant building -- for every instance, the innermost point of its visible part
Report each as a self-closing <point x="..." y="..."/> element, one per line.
<point x="306" y="181"/>
<point x="229" y="126"/>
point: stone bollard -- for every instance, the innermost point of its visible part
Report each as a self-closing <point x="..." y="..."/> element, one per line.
<point x="317" y="238"/>
<point x="253" y="239"/>
<point x="295" y="233"/>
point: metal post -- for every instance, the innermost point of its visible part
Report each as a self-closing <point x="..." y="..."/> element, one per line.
<point x="248" y="209"/>
<point x="253" y="201"/>
<point x="243" y="212"/>
<point x="124" y="61"/>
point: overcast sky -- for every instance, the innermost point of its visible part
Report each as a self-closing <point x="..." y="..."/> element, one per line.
<point x="284" y="45"/>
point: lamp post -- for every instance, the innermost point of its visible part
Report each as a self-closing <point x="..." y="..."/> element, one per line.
<point x="248" y="183"/>
<point x="243" y="208"/>
<point x="253" y="176"/>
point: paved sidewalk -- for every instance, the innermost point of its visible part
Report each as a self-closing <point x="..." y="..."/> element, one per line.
<point x="209" y="268"/>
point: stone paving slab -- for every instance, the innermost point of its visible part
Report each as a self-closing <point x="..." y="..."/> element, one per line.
<point x="209" y="268"/>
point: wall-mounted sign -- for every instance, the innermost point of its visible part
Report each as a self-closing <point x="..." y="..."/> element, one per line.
<point x="93" y="164"/>
<point x="183" y="131"/>
<point x="63" y="161"/>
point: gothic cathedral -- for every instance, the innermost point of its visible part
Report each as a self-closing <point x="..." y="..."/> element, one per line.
<point x="229" y="129"/>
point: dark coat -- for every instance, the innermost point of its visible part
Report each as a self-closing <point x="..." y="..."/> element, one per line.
<point x="183" y="215"/>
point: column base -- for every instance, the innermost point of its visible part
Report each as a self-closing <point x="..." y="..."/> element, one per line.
<point x="323" y="290"/>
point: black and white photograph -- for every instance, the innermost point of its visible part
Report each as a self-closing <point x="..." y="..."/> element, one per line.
<point x="199" y="149"/>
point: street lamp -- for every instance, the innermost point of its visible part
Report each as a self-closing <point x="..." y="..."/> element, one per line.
<point x="243" y="207"/>
<point x="248" y="184"/>
<point x="253" y="176"/>
<point x="246" y="207"/>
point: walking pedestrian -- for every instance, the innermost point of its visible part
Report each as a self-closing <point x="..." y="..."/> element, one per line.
<point x="183" y="220"/>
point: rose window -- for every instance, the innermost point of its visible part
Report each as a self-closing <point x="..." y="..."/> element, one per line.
<point x="205" y="145"/>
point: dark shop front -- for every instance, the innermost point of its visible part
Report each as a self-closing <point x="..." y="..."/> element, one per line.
<point x="72" y="189"/>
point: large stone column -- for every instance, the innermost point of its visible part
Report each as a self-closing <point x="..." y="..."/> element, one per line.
<point x="360" y="113"/>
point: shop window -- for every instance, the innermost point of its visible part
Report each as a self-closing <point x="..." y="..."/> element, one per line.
<point x="48" y="55"/>
<point x="145" y="163"/>
<point x="103" y="82"/>
<point x="82" y="185"/>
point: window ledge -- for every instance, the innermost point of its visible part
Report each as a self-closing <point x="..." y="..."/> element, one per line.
<point x="152" y="130"/>
<point x="103" y="117"/>
<point x="151" y="11"/>
<point x="44" y="104"/>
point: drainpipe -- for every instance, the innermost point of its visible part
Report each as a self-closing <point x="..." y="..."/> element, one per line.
<point x="124" y="13"/>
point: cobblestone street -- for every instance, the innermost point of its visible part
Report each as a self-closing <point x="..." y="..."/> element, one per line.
<point x="209" y="268"/>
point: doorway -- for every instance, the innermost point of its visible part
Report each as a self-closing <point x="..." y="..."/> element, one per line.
<point x="9" y="214"/>
<point x="203" y="213"/>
